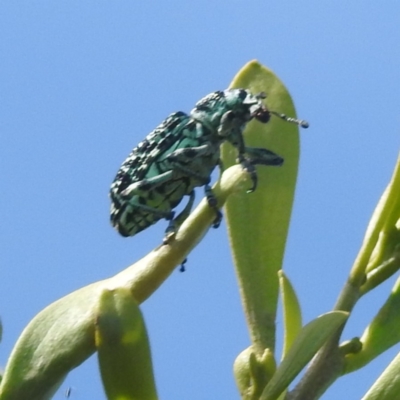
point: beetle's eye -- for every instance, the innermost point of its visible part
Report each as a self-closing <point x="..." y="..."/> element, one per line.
<point x="262" y="115"/>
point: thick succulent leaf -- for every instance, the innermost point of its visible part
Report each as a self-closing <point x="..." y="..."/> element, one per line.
<point x="310" y="339"/>
<point x="258" y="222"/>
<point x="380" y="242"/>
<point x="385" y="218"/>
<point x="62" y="335"/>
<point x="291" y="312"/>
<point x="56" y="341"/>
<point x="381" y="334"/>
<point x="387" y="386"/>
<point x="123" y="348"/>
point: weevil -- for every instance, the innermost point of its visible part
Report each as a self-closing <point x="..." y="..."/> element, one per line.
<point x="180" y="155"/>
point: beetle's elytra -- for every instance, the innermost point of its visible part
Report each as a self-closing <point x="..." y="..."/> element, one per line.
<point x="180" y="155"/>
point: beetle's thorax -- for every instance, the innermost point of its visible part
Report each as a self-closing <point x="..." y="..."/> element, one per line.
<point x="209" y="110"/>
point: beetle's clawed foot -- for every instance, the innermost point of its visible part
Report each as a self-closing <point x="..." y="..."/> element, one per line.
<point x="217" y="220"/>
<point x="171" y="229"/>
<point x="248" y="166"/>
<point x="168" y="237"/>
<point x="182" y="268"/>
<point x="213" y="203"/>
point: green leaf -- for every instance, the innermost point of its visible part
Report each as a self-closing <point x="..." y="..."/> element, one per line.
<point x="258" y="222"/>
<point x="379" y="242"/>
<point x="381" y="334"/>
<point x="387" y="386"/>
<point x="62" y="336"/>
<point x="123" y="348"/>
<point x="310" y="339"/>
<point x="291" y="312"/>
<point x="57" y="340"/>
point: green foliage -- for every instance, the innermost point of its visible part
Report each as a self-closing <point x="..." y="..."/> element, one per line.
<point x="123" y="348"/>
<point x="105" y="317"/>
<point x="258" y="223"/>
<point x="309" y="340"/>
<point x="291" y="312"/>
<point x="387" y="386"/>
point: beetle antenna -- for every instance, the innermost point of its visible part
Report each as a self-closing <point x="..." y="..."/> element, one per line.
<point x="300" y="122"/>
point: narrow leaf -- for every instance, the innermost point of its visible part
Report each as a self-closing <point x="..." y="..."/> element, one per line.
<point x="61" y="336"/>
<point x="258" y="222"/>
<point x="123" y="348"/>
<point x="310" y="339"/>
<point x="387" y="386"/>
<point x="381" y="334"/>
<point x="291" y="312"/>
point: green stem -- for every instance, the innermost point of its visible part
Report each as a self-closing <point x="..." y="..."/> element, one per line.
<point x="329" y="363"/>
<point x="145" y="276"/>
<point x="384" y="217"/>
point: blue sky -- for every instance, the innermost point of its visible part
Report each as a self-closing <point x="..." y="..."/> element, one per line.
<point x="81" y="83"/>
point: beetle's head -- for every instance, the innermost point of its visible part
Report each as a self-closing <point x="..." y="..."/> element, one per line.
<point x="257" y="108"/>
<point x="261" y="113"/>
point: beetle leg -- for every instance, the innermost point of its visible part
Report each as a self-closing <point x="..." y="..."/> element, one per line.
<point x="146" y="185"/>
<point x="180" y="159"/>
<point x="175" y="223"/>
<point x="171" y="229"/>
<point x="257" y="156"/>
<point x="229" y="123"/>
<point x="212" y="202"/>
<point x="161" y="213"/>
<point x="260" y="156"/>
<point x="182" y="155"/>
<point x="233" y="130"/>
<point x="250" y="169"/>
<point x="183" y="265"/>
<point x="186" y="154"/>
<point x="248" y="157"/>
<point x="192" y="174"/>
<point x="186" y="211"/>
<point x="190" y="153"/>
